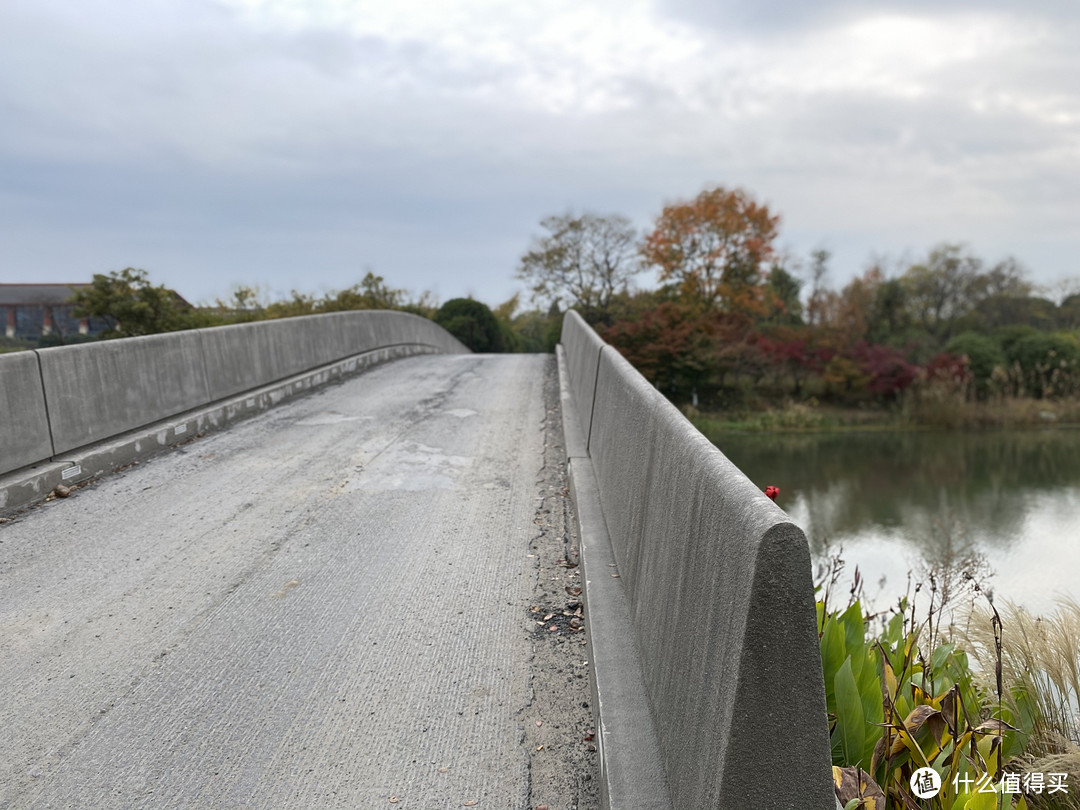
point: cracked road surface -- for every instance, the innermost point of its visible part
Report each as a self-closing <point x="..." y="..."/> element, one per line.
<point x="325" y="606"/>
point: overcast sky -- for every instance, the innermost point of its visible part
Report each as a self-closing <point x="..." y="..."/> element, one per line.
<point x="298" y="143"/>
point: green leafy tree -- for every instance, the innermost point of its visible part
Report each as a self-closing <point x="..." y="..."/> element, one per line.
<point x="953" y="291"/>
<point x="1049" y="364"/>
<point x="983" y="353"/>
<point x="817" y="303"/>
<point x="371" y="293"/>
<point x="533" y="330"/>
<point x="1002" y="295"/>
<point x="1068" y="314"/>
<point x="134" y="306"/>
<point x="473" y="323"/>
<point x="786" y="307"/>
<point x="889" y="319"/>
<point x="582" y="262"/>
<point x="1009" y="335"/>
<point x="536" y="331"/>
<point x="942" y="288"/>
<point x="504" y="316"/>
<point x="299" y="304"/>
<point x="246" y="304"/>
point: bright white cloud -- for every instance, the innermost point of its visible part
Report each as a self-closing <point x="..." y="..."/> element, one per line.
<point x="562" y="56"/>
<point x="892" y="56"/>
<point x="569" y="57"/>
<point x="294" y="76"/>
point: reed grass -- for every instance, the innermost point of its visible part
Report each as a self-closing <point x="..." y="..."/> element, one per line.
<point x="945" y="410"/>
<point x="1041" y="654"/>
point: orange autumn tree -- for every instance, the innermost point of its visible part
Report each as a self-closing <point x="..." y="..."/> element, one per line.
<point x="715" y="248"/>
<point x="714" y="255"/>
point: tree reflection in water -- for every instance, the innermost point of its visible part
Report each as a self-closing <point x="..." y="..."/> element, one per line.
<point x="893" y="500"/>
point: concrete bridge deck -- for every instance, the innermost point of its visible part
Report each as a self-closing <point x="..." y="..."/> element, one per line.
<point x="326" y="606"/>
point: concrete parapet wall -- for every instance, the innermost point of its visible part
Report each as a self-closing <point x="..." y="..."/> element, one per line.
<point x="97" y="390"/>
<point x="583" y="347"/>
<point x="60" y="399"/>
<point x="718" y="588"/>
<point x="24" y="425"/>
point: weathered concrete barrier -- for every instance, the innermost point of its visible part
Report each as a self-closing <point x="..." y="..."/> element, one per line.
<point x="56" y="401"/>
<point x="97" y="390"/>
<point x="24" y="425"/>
<point x="716" y="586"/>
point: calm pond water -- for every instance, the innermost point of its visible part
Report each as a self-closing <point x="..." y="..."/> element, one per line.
<point x="894" y="499"/>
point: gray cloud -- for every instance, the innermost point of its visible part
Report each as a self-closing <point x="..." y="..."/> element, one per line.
<point x="770" y="17"/>
<point x="184" y="138"/>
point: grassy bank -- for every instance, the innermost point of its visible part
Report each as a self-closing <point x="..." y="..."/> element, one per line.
<point x="910" y="414"/>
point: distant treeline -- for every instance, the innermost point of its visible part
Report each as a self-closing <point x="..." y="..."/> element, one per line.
<point x="731" y="323"/>
<point x="132" y="305"/>
<point x="734" y="324"/>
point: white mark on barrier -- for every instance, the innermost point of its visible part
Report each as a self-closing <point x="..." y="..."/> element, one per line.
<point x="179" y="430"/>
<point x="71" y="472"/>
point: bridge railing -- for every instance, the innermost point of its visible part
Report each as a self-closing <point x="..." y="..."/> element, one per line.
<point x="714" y="586"/>
<point x="55" y="401"/>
